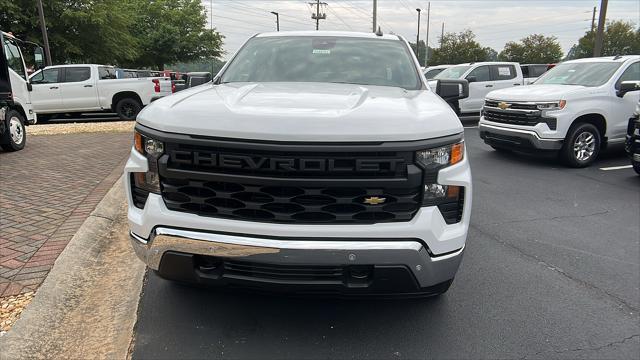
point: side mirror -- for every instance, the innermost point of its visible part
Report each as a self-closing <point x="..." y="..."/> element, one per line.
<point x="39" y="58"/>
<point x="452" y="89"/>
<point x="628" y="86"/>
<point x="471" y="79"/>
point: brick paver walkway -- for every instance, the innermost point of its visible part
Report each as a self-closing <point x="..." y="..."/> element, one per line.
<point x="47" y="191"/>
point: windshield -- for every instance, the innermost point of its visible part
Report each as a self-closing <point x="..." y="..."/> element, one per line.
<point x="580" y="73"/>
<point x="324" y="59"/>
<point x="454" y="72"/>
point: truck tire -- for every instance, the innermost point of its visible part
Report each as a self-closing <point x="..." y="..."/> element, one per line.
<point x="15" y="136"/>
<point x="636" y="167"/>
<point x="128" y="108"/>
<point x="581" y="146"/>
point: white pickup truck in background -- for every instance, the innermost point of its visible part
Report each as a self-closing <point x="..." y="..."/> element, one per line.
<point x="81" y="88"/>
<point x="483" y="77"/>
<point x="576" y="109"/>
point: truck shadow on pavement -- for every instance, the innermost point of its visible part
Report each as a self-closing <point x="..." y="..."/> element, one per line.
<point x="254" y="325"/>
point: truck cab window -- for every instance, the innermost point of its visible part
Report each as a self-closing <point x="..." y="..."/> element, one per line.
<point x="632" y="73"/>
<point x="106" y="73"/>
<point x="76" y="74"/>
<point x="49" y="76"/>
<point x="14" y="58"/>
<point x="481" y="73"/>
<point x="504" y="72"/>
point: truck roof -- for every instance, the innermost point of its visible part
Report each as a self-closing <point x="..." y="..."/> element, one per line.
<point x="490" y="63"/>
<point x="70" y="65"/>
<point x="353" y="34"/>
<point x="620" y="59"/>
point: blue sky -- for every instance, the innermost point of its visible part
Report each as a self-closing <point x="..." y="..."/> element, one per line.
<point x="495" y="22"/>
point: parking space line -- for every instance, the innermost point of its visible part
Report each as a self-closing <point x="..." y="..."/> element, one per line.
<point x="471" y="127"/>
<point x="616" y="167"/>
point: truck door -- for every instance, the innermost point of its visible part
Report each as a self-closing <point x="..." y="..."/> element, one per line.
<point x="17" y="72"/>
<point x="478" y="89"/>
<point x="46" y="96"/>
<point x="504" y="76"/>
<point x="624" y="107"/>
<point x="79" y="92"/>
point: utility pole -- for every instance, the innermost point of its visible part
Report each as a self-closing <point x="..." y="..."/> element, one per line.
<point x="593" y="19"/>
<point x="375" y="15"/>
<point x="418" y="37"/>
<point x="426" y="56"/>
<point x="317" y="16"/>
<point x="277" y="20"/>
<point x="597" y="49"/>
<point x="45" y="37"/>
<point x="442" y="35"/>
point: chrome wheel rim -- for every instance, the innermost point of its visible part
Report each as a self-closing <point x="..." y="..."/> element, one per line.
<point x="584" y="146"/>
<point x="16" y="130"/>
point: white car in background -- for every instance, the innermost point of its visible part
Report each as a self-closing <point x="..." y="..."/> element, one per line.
<point x="577" y="108"/>
<point x="431" y="71"/>
<point x="81" y="88"/>
<point x="483" y="77"/>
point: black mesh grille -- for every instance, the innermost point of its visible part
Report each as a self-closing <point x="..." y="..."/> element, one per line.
<point x="307" y="273"/>
<point x="291" y="204"/>
<point x="515" y="117"/>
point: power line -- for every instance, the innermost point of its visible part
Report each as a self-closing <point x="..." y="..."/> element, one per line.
<point x="339" y="18"/>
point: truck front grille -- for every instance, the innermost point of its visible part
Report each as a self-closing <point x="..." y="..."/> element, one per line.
<point x="516" y="114"/>
<point x="291" y="204"/>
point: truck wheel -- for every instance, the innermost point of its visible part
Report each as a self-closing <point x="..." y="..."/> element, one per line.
<point x="636" y="167"/>
<point x="581" y="146"/>
<point x="15" y="135"/>
<point x="128" y="109"/>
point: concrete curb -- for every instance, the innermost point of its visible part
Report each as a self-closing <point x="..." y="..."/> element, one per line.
<point x="87" y="305"/>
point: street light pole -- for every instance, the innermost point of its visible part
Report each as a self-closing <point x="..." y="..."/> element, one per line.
<point x="375" y="15"/>
<point x="418" y="37"/>
<point x="426" y="54"/>
<point x="277" y="20"/>
<point x="45" y="38"/>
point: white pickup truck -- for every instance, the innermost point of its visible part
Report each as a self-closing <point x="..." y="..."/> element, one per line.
<point x="83" y="88"/>
<point x="483" y="77"/>
<point x="577" y="108"/>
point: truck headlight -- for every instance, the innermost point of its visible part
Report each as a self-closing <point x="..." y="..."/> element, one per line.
<point x="440" y="157"/>
<point x="553" y="105"/>
<point x="152" y="149"/>
<point x="448" y="198"/>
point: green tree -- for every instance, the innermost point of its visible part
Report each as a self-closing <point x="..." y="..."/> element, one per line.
<point x="171" y="31"/>
<point x="129" y="33"/>
<point x="533" y="49"/>
<point x="620" y="38"/>
<point x="79" y="30"/>
<point x="459" y="48"/>
<point x="421" y="56"/>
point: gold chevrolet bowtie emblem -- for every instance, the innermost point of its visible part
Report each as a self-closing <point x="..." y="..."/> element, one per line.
<point x="503" y="105"/>
<point x="374" y="200"/>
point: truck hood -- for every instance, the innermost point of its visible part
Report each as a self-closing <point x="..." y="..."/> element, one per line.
<point x="313" y="112"/>
<point x="537" y="92"/>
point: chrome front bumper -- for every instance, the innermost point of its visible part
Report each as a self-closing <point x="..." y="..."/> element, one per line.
<point x="428" y="270"/>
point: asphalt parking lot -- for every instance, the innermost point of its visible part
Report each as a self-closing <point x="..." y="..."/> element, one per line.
<point x="551" y="270"/>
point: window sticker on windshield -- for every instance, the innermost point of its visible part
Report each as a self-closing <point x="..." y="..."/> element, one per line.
<point x="504" y="71"/>
<point x="321" y="51"/>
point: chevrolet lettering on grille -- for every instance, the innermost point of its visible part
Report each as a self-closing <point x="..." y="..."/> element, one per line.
<point x="283" y="164"/>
